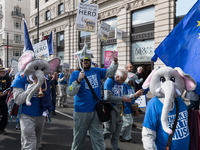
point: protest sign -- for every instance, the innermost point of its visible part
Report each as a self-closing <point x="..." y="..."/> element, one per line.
<point x="14" y="67"/>
<point x="142" y="101"/>
<point x="108" y="59"/>
<point x="41" y="50"/>
<point x="86" y="19"/>
<point x="104" y="31"/>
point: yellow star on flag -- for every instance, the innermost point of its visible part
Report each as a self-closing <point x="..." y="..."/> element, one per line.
<point x="198" y="23"/>
<point x="199" y="36"/>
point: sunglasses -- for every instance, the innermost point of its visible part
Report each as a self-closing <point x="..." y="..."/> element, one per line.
<point x="85" y="60"/>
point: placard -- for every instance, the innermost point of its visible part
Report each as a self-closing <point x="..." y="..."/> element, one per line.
<point x="86" y="19"/>
<point x="142" y="101"/>
<point x="41" y="50"/>
<point x="104" y="31"/>
<point x="108" y="59"/>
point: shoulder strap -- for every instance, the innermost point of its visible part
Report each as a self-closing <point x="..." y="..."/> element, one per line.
<point x="173" y="127"/>
<point x="93" y="93"/>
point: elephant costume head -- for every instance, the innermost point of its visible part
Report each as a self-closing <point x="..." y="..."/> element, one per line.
<point x="36" y="68"/>
<point x="167" y="84"/>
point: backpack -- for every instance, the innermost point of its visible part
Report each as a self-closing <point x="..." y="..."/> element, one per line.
<point x="102" y="86"/>
<point x="12" y="106"/>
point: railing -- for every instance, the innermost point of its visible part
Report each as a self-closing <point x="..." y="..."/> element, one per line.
<point x="18" y="14"/>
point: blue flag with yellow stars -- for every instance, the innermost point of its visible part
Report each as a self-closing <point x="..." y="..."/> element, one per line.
<point x="181" y="48"/>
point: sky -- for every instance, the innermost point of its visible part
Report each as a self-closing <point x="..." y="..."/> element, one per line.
<point x="183" y="6"/>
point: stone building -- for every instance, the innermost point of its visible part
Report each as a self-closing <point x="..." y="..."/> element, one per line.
<point x="144" y="25"/>
<point x="11" y="28"/>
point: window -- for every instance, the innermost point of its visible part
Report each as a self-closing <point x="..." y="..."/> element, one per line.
<point x="142" y="35"/>
<point x="17" y="38"/>
<point x="48" y="15"/>
<point x="17" y="10"/>
<point x="105" y="49"/>
<point x="85" y="1"/>
<point x="36" y="3"/>
<point x="36" y="20"/>
<point x="113" y="23"/>
<point x="143" y="24"/>
<point x="46" y="0"/>
<point x="60" y="46"/>
<point x="85" y="37"/>
<point x="142" y="51"/>
<point x="16" y="52"/>
<point x="17" y="25"/>
<point x="60" y="9"/>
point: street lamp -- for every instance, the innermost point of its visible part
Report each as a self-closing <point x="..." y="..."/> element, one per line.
<point x="7" y="48"/>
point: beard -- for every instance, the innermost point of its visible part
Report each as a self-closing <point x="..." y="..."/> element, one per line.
<point x="86" y="66"/>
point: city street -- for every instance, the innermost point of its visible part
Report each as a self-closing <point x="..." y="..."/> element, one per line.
<point x="58" y="134"/>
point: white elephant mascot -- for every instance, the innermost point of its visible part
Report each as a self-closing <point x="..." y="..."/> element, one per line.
<point x="167" y="85"/>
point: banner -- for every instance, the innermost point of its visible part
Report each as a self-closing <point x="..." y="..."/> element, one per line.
<point x="142" y="101"/>
<point x="41" y="50"/>
<point x="104" y="31"/>
<point x="86" y="19"/>
<point x="108" y="59"/>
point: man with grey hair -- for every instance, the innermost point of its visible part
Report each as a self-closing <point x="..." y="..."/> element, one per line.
<point x="114" y="92"/>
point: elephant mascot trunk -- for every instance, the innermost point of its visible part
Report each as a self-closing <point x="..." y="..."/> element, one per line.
<point x="40" y="80"/>
<point x="168" y="89"/>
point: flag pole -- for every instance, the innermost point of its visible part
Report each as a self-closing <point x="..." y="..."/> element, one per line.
<point x="37" y="20"/>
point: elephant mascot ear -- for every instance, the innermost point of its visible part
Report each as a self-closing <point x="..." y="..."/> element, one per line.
<point x="25" y="59"/>
<point x="190" y="83"/>
<point x="53" y="64"/>
<point x="146" y="83"/>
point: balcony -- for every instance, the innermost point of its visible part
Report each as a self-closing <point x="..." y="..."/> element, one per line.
<point x="17" y="14"/>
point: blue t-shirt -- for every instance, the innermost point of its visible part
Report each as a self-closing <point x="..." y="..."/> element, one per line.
<point x="84" y="100"/>
<point x="64" y="81"/>
<point x="35" y="109"/>
<point x="152" y="120"/>
<point x="116" y="88"/>
<point x="128" y="90"/>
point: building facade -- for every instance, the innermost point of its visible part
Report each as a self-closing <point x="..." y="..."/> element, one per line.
<point x="11" y="28"/>
<point x="144" y="25"/>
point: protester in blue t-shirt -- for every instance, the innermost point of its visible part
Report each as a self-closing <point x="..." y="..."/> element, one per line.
<point x="114" y="92"/>
<point x="152" y="121"/>
<point x="85" y="116"/>
<point x="62" y="84"/>
<point x="127" y="118"/>
<point x="32" y="117"/>
<point x="167" y="109"/>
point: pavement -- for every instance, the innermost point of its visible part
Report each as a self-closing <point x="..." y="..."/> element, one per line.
<point x="58" y="134"/>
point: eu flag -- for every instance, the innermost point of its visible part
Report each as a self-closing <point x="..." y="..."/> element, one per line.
<point x="181" y="48"/>
<point x="50" y="44"/>
<point x="27" y="42"/>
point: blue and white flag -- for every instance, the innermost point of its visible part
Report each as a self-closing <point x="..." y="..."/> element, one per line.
<point x="181" y="47"/>
<point x="27" y="42"/>
<point x="50" y="44"/>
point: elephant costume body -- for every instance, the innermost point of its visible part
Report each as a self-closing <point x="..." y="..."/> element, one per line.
<point x="166" y="84"/>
